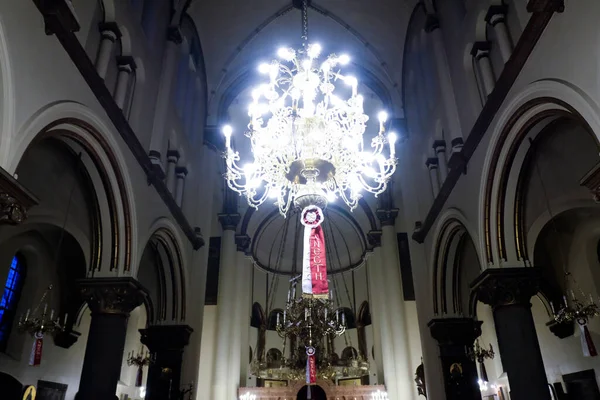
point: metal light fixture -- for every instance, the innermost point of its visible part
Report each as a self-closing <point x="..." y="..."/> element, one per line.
<point x="140" y="360"/>
<point x="307" y="142"/>
<point x="578" y="310"/>
<point x="479" y="354"/>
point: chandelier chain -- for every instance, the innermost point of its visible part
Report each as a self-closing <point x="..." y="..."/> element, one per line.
<point x="304" y="23"/>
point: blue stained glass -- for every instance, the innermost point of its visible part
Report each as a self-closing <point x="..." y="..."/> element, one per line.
<point x="10" y="298"/>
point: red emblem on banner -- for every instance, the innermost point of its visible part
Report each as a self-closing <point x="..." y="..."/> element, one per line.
<point x="311" y="366"/>
<point x="314" y="268"/>
<point x="36" y="351"/>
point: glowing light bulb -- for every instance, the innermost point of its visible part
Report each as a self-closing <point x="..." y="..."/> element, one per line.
<point x="286" y="54"/>
<point x="306" y="64"/>
<point x="227" y="131"/>
<point x="392" y="137"/>
<point x="344" y="59"/>
<point x="264" y="68"/>
<point x="382" y="116"/>
<point x="331" y="197"/>
<point x="314" y="50"/>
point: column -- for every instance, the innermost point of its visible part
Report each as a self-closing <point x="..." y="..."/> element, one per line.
<point x="110" y="300"/>
<point x="164" y="97"/>
<point x="451" y="119"/>
<point x="394" y="296"/>
<point x="166" y="344"/>
<point x="245" y="302"/>
<point x="455" y="336"/>
<point x="226" y="308"/>
<point x="508" y="291"/>
<point x="432" y="166"/>
<point x="481" y="53"/>
<point x="180" y="174"/>
<point x="496" y="17"/>
<point x="172" y="160"/>
<point x="439" y="147"/>
<point x="381" y="321"/>
<point x="241" y="317"/>
<point x="126" y="66"/>
<point x="109" y="33"/>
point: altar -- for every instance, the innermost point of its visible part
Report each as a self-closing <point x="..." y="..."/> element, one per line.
<point x="297" y="391"/>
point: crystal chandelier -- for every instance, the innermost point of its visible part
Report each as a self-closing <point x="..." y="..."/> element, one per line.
<point x="307" y="142"/>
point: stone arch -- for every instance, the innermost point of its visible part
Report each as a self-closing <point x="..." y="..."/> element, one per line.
<point x="7" y="108"/>
<point x="167" y="245"/>
<point x="82" y="131"/>
<point x="450" y="278"/>
<point x="525" y="116"/>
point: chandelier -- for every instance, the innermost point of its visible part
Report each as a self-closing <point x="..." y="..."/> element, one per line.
<point x="39" y="323"/>
<point x="140" y="360"/>
<point x="307" y="142"/>
<point x="580" y="311"/>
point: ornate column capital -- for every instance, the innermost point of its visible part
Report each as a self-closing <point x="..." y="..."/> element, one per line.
<point x="173" y="156"/>
<point x="439" y="145"/>
<point x="112" y="295"/>
<point x="126" y="63"/>
<point x="591" y="180"/>
<point x="496" y="13"/>
<point x="228" y="221"/>
<point x="432" y="163"/>
<point x="374" y="238"/>
<point x="243" y="243"/>
<point x="109" y="30"/>
<point x="166" y="337"/>
<point x="181" y="172"/>
<point x="455" y="331"/>
<point x="15" y="200"/>
<point x="499" y="287"/>
<point x="480" y="49"/>
<point x="387" y="217"/>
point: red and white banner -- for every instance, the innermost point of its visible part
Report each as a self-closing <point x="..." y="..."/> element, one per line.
<point x="314" y="264"/>
<point x="589" y="349"/>
<point x="311" y="366"/>
<point x="36" y="351"/>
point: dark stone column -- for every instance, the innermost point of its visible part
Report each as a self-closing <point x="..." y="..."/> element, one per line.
<point x="166" y="343"/>
<point x="455" y="336"/>
<point x="509" y="291"/>
<point x="110" y="300"/>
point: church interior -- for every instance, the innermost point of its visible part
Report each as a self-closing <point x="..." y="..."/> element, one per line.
<point x="299" y="199"/>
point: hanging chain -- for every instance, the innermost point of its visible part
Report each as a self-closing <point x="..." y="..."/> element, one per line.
<point x="304" y="24"/>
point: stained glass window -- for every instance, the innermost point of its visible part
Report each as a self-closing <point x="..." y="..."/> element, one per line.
<point x="10" y="298"/>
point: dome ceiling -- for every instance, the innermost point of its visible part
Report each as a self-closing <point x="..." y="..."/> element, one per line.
<point x="237" y="35"/>
<point x="277" y="242"/>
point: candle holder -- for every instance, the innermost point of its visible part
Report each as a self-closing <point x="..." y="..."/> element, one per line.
<point x="140" y="360"/>
<point x="39" y="323"/>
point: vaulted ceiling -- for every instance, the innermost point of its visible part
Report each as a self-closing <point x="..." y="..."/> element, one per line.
<point x="237" y="35"/>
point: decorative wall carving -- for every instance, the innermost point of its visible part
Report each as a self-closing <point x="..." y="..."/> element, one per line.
<point x="112" y="295"/>
<point x="499" y="287"/>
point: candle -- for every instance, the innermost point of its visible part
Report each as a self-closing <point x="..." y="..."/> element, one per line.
<point x="337" y="315"/>
<point x="552" y="307"/>
<point x="294" y="291"/>
<point x="325" y="314"/>
<point x="573" y="295"/>
<point x="343" y="319"/>
<point x="289" y="295"/>
<point x="27" y="315"/>
<point x="284" y="316"/>
<point x="51" y="314"/>
<point x="65" y="323"/>
<point x="45" y="308"/>
<point x="565" y="300"/>
<point x="277" y="319"/>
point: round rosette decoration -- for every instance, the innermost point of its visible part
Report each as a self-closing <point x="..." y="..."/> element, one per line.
<point x="311" y="217"/>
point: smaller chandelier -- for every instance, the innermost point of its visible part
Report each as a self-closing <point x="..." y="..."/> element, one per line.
<point x="307" y="142"/>
<point x="140" y="360"/>
<point x="580" y="311"/>
<point x="36" y="323"/>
